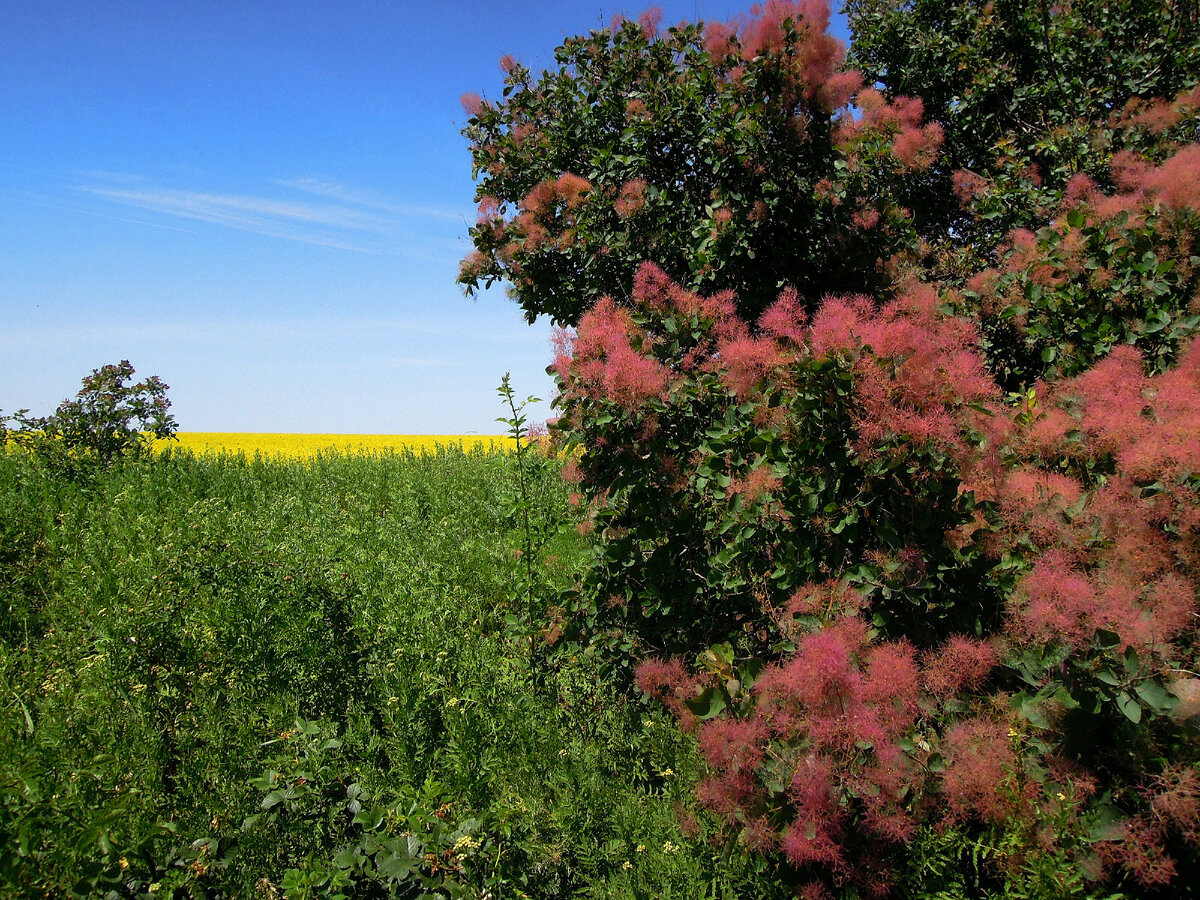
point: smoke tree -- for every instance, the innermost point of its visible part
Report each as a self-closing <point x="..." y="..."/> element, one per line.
<point x="886" y="410"/>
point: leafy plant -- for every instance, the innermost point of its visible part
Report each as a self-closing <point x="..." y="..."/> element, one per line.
<point x="726" y="153"/>
<point x="109" y="419"/>
<point x="908" y="546"/>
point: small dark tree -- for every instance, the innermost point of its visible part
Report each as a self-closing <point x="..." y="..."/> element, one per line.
<point x="109" y="419"/>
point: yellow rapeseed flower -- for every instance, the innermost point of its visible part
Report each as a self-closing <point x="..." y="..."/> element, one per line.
<point x="305" y="446"/>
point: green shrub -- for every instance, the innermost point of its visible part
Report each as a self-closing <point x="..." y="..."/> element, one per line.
<point x="109" y="419"/>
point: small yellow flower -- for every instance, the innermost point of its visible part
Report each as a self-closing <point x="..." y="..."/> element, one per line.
<point x="1061" y="795"/>
<point x="627" y="865"/>
<point x="124" y="863"/>
<point x="669" y="847"/>
<point x="668" y="773"/>
<point x="641" y="848"/>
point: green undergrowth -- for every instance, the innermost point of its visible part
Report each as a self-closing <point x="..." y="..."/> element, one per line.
<point x="223" y="676"/>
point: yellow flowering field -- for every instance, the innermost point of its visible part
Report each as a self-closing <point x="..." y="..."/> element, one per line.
<point x="302" y="446"/>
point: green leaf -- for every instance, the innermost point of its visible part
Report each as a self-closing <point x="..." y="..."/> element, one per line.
<point x="1106" y="640"/>
<point x="1155" y="696"/>
<point x="273" y="799"/>
<point x="399" y="857"/>
<point x="1129" y="707"/>
<point x="707" y="705"/>
<point x="1028" y="706"/>
<point x="370" y="819"/>
<point x="1131" y="661"/>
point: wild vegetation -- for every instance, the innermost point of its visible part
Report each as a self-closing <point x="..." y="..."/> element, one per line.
<point x="873" y="573"/>
<point x="259" y="677"/>
<point x="883" y="382"/>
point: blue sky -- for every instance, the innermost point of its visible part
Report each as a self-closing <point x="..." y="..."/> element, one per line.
<point x="264" y="204"/>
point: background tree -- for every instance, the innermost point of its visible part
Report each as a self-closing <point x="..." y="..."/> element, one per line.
<point x="109" y="419"/>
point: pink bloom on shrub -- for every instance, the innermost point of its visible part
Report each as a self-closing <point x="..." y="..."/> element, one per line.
<point x="606" y="363"/>
<point x="746" y="361"/>
<point x="653" y="288"/>
<point x="729" y="795"/>
<point x="1035" y="500"/>
<point x="888" y="820"/>
<point x="1140" y="852"/>
<point x="508" y="62"/>
<point x="969" y="186"/>
<point x="667" y="681"/>
<point x="962" y="663"/>
<point x="488" y="209"/>
<point x="785" y="319"/>
<point x="758" y="481"/>
<point x="471" y="102"/>
<point x="820" y="675"/>
<point x="1171" y="604"/>
<point x="917" y="148"/>
<point x="562" y="341"/>
<point x="838" y="325"/>
<point x="650" y="20"/>
<point x="1128" y="170"/>
<point x="521" y="133"/>
<point x="473" y="265"/>
<point x="1110" y="394"/>
<point x="636" y="108"/>
<point x="1080" y="189"/>
<point x="572" y="189"/>
<point x="827" y="600"/>
<point x="839" y="88"/>
<point x="980" y="761"/>
<point x="1056" y="600"/>
<point x="909" y="111"/>
<point x="815" y="834"/>
<point x="718" y="40"/>
<point x="759" y="835"/>
<point x="892" y="683"/>
<point x="732" y="745"/>
<point x="541" y="197"/>
<point x="866" y="219"/>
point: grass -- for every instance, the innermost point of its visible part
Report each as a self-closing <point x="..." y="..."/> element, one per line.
<point x="224" y="675"/>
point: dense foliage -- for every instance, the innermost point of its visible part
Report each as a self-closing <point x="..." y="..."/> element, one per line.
<point x="912" y="548"/>
<point x="1029" y="94"/>
<point x="728" y="156"/>
<point x="250" y="678"/>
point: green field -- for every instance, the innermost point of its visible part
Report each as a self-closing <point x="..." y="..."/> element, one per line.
<point x="223" y="677"/>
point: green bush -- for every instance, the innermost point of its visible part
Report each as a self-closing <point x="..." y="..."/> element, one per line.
<point x="109" y="419"/>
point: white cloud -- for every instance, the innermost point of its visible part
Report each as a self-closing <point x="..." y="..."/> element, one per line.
<point x="308" y="223"/>
<point x="348" y="219"/>
<point x="372" y="200"/>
